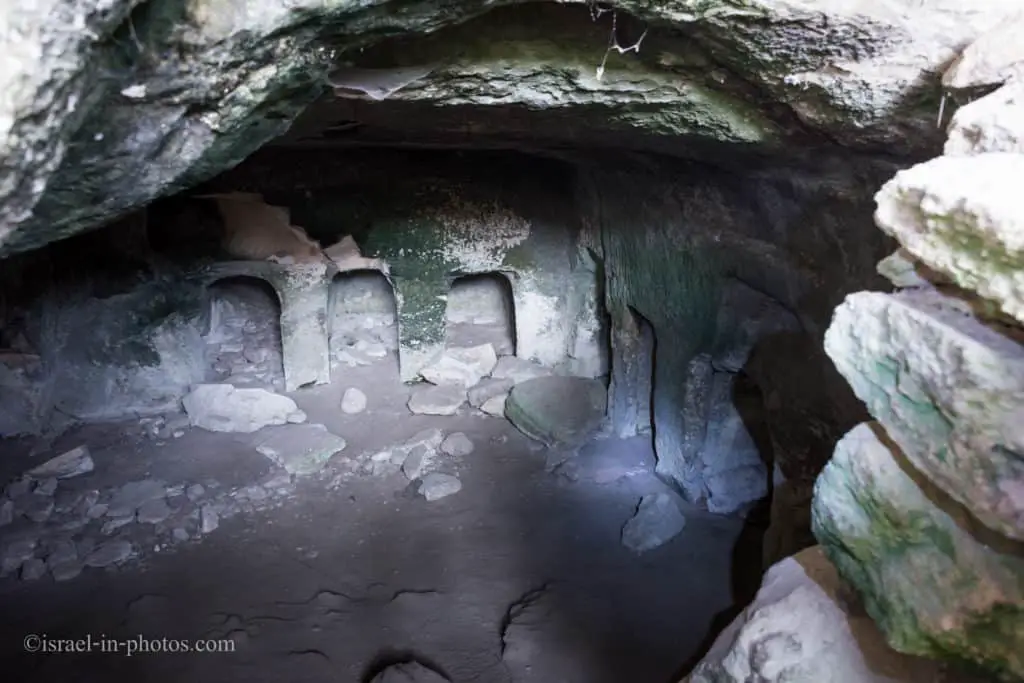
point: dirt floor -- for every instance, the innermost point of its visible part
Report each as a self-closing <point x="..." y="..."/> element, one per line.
<point x="519" y="577"/>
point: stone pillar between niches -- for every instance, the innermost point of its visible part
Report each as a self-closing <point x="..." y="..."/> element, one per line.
<point x="304" y="291"/>
<point x="420" y="304"/>
<point x="542" y="326"/>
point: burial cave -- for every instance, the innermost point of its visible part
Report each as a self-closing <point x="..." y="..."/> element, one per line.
<point x="474" y="342"/>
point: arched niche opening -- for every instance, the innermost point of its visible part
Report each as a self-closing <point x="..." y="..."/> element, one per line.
<point x="481" y="310"/>
<point x="243" y="336"/>
<point x="363" y="318"/>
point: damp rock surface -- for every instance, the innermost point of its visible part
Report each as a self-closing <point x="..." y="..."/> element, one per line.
<point x="299" y="449"/>
<point x="881" y="522"/>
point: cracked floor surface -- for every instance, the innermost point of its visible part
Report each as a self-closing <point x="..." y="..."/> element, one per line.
<point x="519" y="577"/>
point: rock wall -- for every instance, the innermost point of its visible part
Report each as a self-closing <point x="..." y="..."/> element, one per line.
<point x="95" y="333"/>
<point x="434" y="218"/>
<point x="144" y="99"/>
<point x="736" y="274"/>
<point x="923" y="510"/>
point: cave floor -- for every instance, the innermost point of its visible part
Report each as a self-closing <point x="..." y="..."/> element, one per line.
<point x="520" y="576"/>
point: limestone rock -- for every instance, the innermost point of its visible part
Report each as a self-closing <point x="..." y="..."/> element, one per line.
<point x="656" y="522"/>
<point x="224" y="408"/>
<point x="74" y="462"/>
<point x="420" y="460"/>
<point x="300" y="449"/>
<point x="436" y="486"/>
<point x="153" y="511"/>
<point x="802" y="628"/>
<point x="937" y="583"/>
<point x="557" y="411"/>
<point x="994" y="123"/>
<point x="961" y="216"/>
<point x="15" y="554"/>
<point x="109" y="553"/>
<point x="33" y="569"/>
<point x="948" y="389"/>
<point x="487" y="389"/>
<point x="437" y="400"/>
<point x="996" y="57"/>
<point x="518" y="369"/>
<point x="903" y="271"/>
<point x="133" y="495"/>
<point x="353" y="401"/>
<point x="494" y="406"/>
<point x="208" y="519"/>
<point x="463" y="367"/>
<point x="409" y="672"/>
<point x="416" y="456"/>
<point x="457" y="445"/>
<point x="143" y="134"/>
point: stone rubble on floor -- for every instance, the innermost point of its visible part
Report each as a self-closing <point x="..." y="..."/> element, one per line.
<point x="476" y="375"/>
<point x="353" y="401"/>
<point x="436" y="486"/>
<point x="115" y="526"/>
<point x="299" y="449"/>
<point x="457" y="444"/>
<point x="430" y="399"/>
<point x="656" y="522"/>
<point x="224" y="408"/>
<point x="71" y="464"/>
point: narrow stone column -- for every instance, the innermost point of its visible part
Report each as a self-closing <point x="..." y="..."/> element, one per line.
<point x="303" y="290"/>
<point x="421" y="308"/>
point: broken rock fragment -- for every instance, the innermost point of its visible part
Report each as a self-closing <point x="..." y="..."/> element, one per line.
<point x="224" y="408"/>
<point x="656" y="522"/>
<point x="71" y="464"/>
<point x="436" y="486"/>
<point x="299" y="449"/>
<point x="463" y="367"/>
<point x="437" y="400"/>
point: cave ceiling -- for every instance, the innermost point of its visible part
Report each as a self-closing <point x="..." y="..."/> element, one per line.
<point x="151" y="98"/>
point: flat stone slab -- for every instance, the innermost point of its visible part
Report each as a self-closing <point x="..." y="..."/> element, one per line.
<point x="437" y="400"/>
<point x="518" y="370"/>
<point x="74" y="462"/>
<point x="557" y="411"/>
<point x="299" y="449"/>
<point x="224" y="408"/>
<point x="436" y="486"/>
<point x="656" y="522"/>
